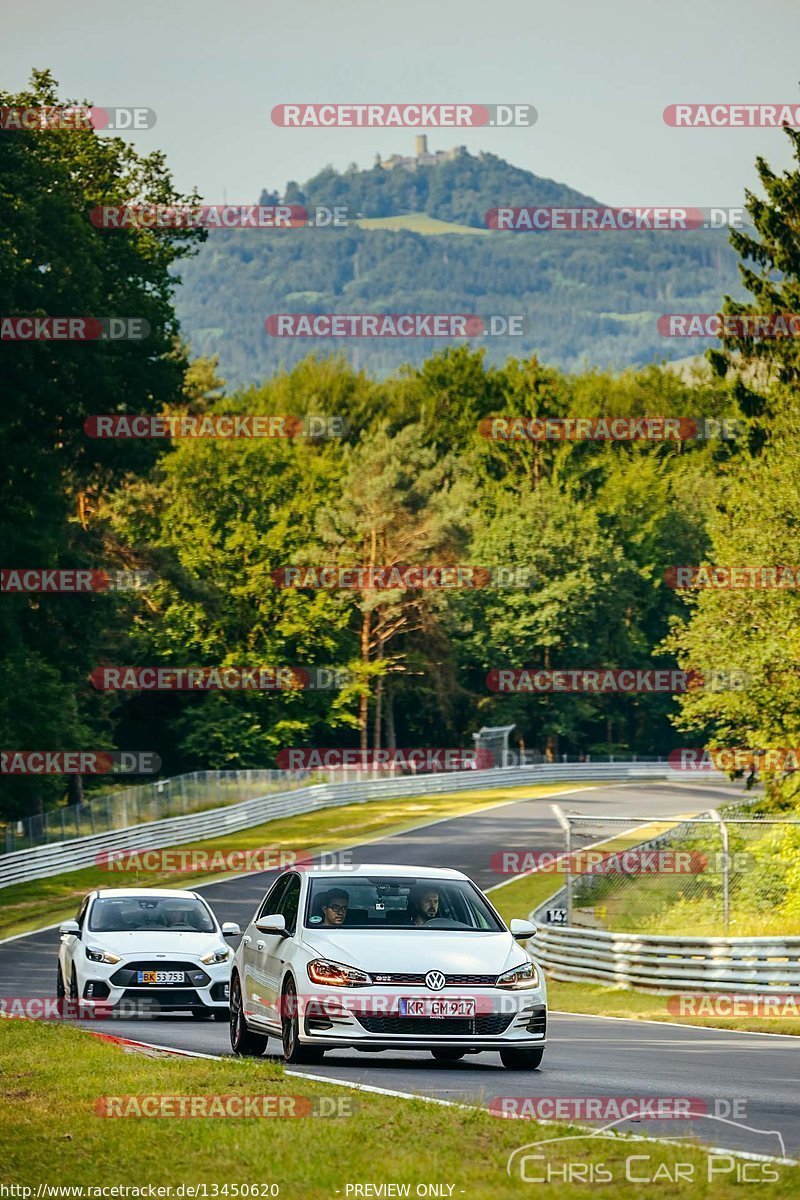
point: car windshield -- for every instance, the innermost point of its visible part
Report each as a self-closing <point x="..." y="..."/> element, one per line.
<point x="379" y="902"/>
<point x="161" y="914"/>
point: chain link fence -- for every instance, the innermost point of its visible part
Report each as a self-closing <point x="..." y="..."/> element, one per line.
<point x="707" y="875"/>
<point x="156" y="801"/>
<point x="201" y="790"/>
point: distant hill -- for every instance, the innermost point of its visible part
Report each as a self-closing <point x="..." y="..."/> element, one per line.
<point x="461" y="190"/>
<point x="590" y="298"/>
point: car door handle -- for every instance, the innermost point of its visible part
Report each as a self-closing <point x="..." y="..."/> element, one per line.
<point x="247" y="939"/>
<point x="259" y="945"/>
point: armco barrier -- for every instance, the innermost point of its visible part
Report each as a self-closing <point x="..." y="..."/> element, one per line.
<point x="43" y="861"/>
<point x="663" y="963"/>
<point x="748" y="965"/>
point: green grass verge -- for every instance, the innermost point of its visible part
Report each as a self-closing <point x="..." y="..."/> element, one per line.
<point x="599" y="1000"/>
<point x="27" y="906"/>
<point x="52" y="1076"/>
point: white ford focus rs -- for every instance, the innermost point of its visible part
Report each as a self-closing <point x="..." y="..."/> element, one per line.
<point x="146" y="950"/>
<point x="384" y="957"/>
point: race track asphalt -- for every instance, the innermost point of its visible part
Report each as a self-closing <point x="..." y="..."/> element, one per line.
<point x="750" y="1082"/>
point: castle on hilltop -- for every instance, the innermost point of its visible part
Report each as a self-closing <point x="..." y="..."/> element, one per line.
<point x="423" y="157"/>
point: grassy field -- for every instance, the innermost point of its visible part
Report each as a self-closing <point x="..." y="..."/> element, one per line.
<point x="27" y="906"/>
<point x="51" y="1133"/>
<point x="418" y="223"/>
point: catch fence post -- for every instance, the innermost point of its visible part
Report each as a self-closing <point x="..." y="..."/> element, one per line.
<point x="564" y="822"/>
<point x="726" y="869"/>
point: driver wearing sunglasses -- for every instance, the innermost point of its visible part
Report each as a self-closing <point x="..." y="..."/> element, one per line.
<point x="334" y="909"/>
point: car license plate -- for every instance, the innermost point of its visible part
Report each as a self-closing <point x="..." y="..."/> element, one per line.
<point x="444" y="1006"/>
<point x="160" y="976"/>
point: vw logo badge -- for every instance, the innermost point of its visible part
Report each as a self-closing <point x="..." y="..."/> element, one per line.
<point x="435" y="980"/>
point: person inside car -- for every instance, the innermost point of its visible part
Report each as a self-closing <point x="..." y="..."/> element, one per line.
<point x="423" y="904"/>
<point x="334" y="908"/>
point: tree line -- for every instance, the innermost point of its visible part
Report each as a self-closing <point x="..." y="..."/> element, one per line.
<point x="593" y="526"/>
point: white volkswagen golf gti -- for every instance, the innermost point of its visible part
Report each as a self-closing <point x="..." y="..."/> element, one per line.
<point x="384" y="957"/>
<point x="146" y="951"/>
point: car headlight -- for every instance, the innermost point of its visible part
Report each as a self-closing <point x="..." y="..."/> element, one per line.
<point x="524" y="976"/>
<point x="97" y="954"/>
<point x="334" y="974"/>
<point x="221" y="954"/>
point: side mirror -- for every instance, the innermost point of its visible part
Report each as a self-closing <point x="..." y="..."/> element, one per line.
<point x="273" y="923"/>
<point x="70" y="927"/>
<point x="230" y="929"/>
<point x="522" y="930"/>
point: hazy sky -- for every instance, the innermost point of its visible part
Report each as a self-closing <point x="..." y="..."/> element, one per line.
<point x="599" y="73"/>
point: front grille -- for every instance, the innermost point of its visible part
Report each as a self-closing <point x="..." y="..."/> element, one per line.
<point x="156" y="998"/>
<point x="418" y="979"/>
<point x="486" y="1025"/>
<point x="127" y="976"/>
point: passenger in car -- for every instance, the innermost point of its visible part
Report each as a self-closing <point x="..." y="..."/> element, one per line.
<point x="334" y="908"/>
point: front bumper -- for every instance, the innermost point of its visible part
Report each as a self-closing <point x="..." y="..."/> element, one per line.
<point x="205" y="986"/>
<point x="367" y="1017"/>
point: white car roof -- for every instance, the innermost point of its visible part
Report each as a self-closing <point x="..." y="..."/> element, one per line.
<point x="388" y="869"/>
<point x="122" y="893"/>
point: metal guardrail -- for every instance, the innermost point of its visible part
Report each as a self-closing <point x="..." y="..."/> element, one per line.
<point x="661" y="963"/>
<point x="40" y="862"/>
<point x="669" y="964"/>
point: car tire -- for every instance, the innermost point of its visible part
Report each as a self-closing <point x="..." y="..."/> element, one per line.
<point x="202" y="1014"/>
<point x="448" y="1055"/>
<point x="293" y="1050"/>
<point x="73" y="985"/>
<point x="222" y="1014"/>
<point x="61" y="991"/>
<point x="243" y="1042"/>
<point x="521" y="1060"/>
